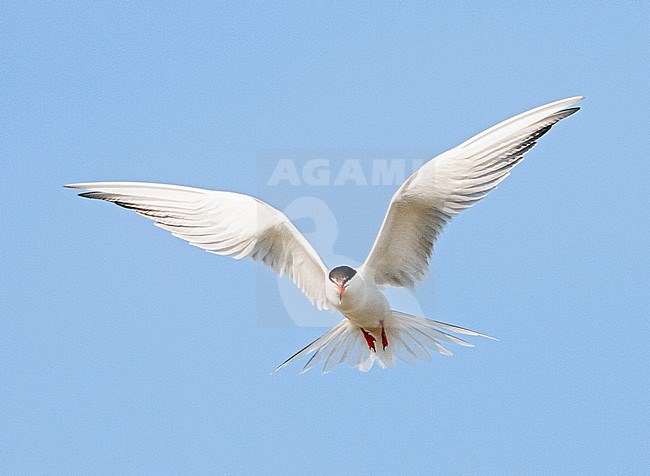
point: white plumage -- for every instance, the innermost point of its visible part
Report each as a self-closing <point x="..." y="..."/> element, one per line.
<point x="445" y="186"/>
<point x="241" y="226"/>
<point x="224" y="223"/>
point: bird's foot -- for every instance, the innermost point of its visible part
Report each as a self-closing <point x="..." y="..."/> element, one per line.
<point x="370" y="339"/>
<point x="384" y="339"/>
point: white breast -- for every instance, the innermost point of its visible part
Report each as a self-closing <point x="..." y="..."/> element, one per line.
<point x="363" y="304"/>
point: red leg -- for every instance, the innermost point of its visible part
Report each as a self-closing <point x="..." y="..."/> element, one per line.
<point x="384" y="339"/>
<point x="370" y="339"/>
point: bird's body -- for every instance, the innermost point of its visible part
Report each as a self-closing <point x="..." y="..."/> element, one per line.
<point x="241" y="226"/>
<point x="363" y="303"/>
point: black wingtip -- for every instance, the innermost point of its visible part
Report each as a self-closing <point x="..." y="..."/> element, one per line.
<point x="570" y="111"/>
<point x="95" y="195"/>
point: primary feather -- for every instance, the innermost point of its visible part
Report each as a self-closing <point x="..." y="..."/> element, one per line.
<point x="224" y="223"/>
<point x="445" y="186"/>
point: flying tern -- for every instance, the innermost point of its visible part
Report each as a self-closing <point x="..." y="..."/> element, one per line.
<point x="242" y="226"/>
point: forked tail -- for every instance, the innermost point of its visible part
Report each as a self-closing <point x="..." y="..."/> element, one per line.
<point x="409" y="338"/>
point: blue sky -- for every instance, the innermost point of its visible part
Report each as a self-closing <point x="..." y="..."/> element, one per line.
<point x="125" y="351"/>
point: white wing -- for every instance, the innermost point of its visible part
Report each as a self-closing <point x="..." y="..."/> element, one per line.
<point x="445" y="186"/>
<point x="224" y="223"/>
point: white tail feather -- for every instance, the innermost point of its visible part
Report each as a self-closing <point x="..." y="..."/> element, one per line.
<point x="410" y="339"/>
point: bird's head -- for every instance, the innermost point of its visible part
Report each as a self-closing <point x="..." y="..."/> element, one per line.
<point x="342" y="277"/>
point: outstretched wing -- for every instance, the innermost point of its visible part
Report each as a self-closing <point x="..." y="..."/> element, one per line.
<point x="224" y="223"/>
<point x="445" y="186"/>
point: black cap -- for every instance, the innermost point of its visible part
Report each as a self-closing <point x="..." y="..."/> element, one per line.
<point x="342" y="274"/>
